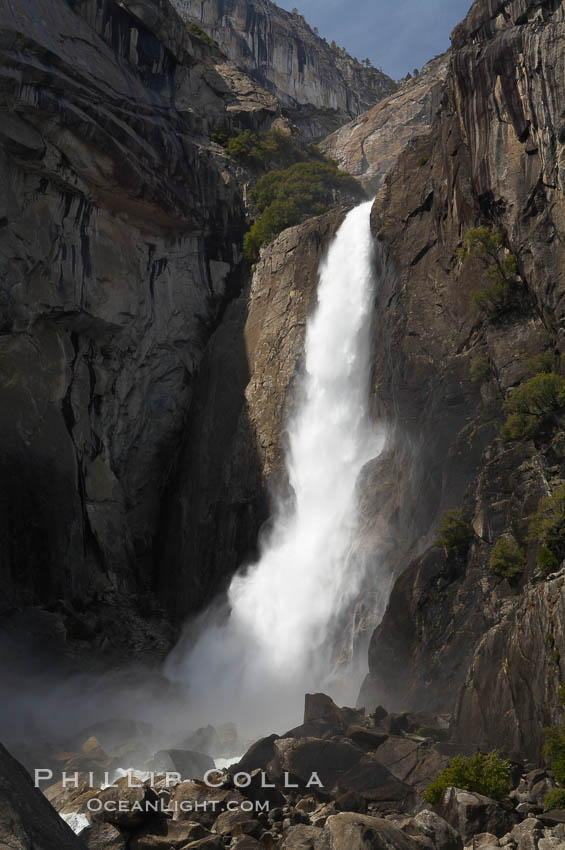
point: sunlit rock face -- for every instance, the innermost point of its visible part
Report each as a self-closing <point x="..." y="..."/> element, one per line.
<point x="369" y="145"/>
<point x="321" y="87"/>
<point x="493" y="157"/>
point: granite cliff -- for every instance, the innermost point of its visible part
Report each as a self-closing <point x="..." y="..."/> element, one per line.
<point x="121" y="236"/>
<point x="320" y="87"/>
<point x="465" y="639"/>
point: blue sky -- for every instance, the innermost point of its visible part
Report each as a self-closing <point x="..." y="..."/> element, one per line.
<point x="397" y="35"/>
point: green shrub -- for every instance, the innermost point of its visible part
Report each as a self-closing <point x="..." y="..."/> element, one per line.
<point x="283" y="198"/>
<point x="433" y="733"/>
<point x="554" y="799"/>
<point x="547" y="527"/>
<point x="546" y="560"/>
<point x="199" y="32"/>
<point x="543" y="362"/>
<point x="272" y="149"/>
<point x="554" y="747"/>
<point x="479" y="370"/>
<point x="423" y="160"/>
<point x="455" y="534"/>
<point x="220" y="136"/>
<point x="507" y="558"/>
<point x="500" y="293"/>
<point x="489" y="775"/>
<point x="540" y="395"/>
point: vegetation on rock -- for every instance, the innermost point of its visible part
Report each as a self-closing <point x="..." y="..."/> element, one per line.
<point x="455" y="534"/>
<point x="283" y="198"/>
<point x="547" y="527"/>
<point x="526" y="405"/>
<point x="199" y="32"/>
<point x="500" y="293"/>
<point x="488" y="774"/>
<point x="479" y="370"/>
<point x="554" y="748"/>
<point x="554" y="799"/>
<point x="543" y="362"/>
<point x="299" y="181"/>
<point x="273" y="149"/>
<point x="547" y="562"/>
<point x="507" y="557"/>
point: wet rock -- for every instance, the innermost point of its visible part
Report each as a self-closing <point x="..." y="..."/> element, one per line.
<point x="206" y="740"/>
<point x="189" y="765"/>
<point x="27" y="819"/>
<point x="470" y="813"/>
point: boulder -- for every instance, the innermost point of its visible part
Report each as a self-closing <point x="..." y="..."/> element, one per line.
<point x="301" y="837"/>
<point x="365" y="737"/>
<point x="533" y="787"/>
<point x="471" y="813"/>
<point x="428" y="824"/>
<point x="320" y="707"/>
<point x="196" y="801"/>
<point x="258" y="755"/>
<point x="341" y="767"/>
<point x="411" y="760"/>
<point x="348" y="831"/>
<point x="27" y="818"/>
<point x="231" y="823"/>
<point x="203" y="740"/>
<point x="126" y="805"/>
<point x="212" y="843"/>
<point x="189" y="764"/>
<point x="168" y="835"/>
<point x="485" y="840"/>
<point x="246" y="842"/>
<point x="526" y="835"/>
<point x="104" y="836"/>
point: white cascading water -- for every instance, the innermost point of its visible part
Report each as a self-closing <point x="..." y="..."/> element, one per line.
<point x="253" y="662"/>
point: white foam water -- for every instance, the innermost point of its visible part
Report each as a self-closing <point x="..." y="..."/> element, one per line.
<point x="254" y="661"/>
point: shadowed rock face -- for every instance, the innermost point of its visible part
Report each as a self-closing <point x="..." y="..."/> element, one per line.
<point x="321" y="88"/>
<point x="121" y="226"/>
<point x="27" y="819"/>
<point x="232" y="460"/>
<point x="369" y="145"/>
<point x="493" y="157"/>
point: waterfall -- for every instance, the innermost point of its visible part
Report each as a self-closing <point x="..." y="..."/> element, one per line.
<point x="254" y="660"/>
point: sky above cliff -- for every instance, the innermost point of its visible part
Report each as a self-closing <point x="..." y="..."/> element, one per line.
<point x="397" y="35"/>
